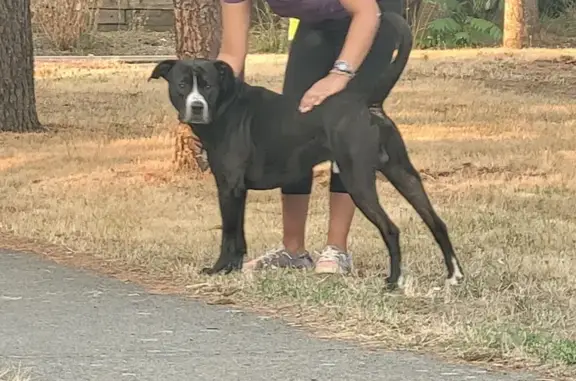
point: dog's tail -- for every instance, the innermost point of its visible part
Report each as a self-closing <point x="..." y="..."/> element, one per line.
<point x="404" y="44"/>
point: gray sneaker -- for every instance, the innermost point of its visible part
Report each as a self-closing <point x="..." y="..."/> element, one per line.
<point x="333" y="261"/>
<point x="280" y="258"/>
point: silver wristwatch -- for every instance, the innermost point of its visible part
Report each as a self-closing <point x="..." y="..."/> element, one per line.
<point x="343" y="67"/>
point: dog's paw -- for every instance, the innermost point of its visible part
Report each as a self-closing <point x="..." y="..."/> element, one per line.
<point x="391" y="285"/>
<point x="394" y="284"/>
<point x="457" y="276"/>
<point x="225" y="268"/>
<point x="208" y="271"/>
<point x="455" y="280"/>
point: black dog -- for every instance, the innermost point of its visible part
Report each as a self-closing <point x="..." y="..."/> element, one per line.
<point x="257" y="139"/>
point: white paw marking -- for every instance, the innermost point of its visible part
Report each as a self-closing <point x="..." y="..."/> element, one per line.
<point x="455" y="279"/>
<point x="457" y="270"/>
<point x="401" y="281"/>
<point x="452" y="281"/>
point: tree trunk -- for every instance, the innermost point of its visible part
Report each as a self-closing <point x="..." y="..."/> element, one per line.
<point x="17" y="94"/>
<point x="197" y="28"/>
<point x="514" y="24"/>
<point x="532" y="20"/>
<point x="197" y="25"/>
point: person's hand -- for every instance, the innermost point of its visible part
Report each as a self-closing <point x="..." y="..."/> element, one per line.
<point x="327" y="86"/>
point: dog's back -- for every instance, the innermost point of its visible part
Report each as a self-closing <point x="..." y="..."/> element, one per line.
<point x="270" y="111"/>
<point x="284" y="143"/>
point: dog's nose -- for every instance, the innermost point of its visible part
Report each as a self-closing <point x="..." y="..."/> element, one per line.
<point x="197" y="108"/>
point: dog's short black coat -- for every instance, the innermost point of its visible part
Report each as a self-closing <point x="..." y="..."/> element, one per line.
<point x="257" y="139"/>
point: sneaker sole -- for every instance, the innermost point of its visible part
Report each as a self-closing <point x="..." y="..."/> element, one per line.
<point x="252" y="268"/>
<point x="331" y="270"/>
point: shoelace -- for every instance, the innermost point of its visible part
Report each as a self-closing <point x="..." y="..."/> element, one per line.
<point x="333" y="255"/>
<point x="273" y="254"/>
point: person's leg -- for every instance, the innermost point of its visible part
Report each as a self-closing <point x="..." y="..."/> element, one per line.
<point x="310" y="59"/>
<point x="342" y="210"/>
<point x="375" y="67"/>
<point x="334" y="258"/>
<point x="294" y="215"/>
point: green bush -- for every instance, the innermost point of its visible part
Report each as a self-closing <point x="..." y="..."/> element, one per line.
<point x="555" y="8"/>
<point x="466" y="24"/>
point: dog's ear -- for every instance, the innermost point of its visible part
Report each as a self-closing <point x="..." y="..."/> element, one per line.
<point x="162" y="69"/>
<point x="226" y="75"/>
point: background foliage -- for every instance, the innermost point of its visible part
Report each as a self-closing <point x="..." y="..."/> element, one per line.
<point x="437" y="24"/>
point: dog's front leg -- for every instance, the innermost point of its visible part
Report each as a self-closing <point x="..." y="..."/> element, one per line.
<point x="233" y="247"/>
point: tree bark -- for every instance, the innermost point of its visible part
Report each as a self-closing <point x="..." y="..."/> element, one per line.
<point x="514" y="24"/>
<point x="197" y="28"/>
<point x="532" y="21"/>
<point x="17" y="92"/>
<point x="197" y="25"/>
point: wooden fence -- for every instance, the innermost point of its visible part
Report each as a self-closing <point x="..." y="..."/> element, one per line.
<point x="158" y="15"/>
<point x="151" y="15"/>
<point x="148" y="15"/>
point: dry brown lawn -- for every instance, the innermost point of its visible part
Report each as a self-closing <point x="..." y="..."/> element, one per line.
<point x="13" y="373"/>
<point x="493" y="133"/>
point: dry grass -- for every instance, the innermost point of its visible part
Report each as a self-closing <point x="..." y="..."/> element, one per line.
<point x="13" y="373"/>
<point x="493" y="133"/>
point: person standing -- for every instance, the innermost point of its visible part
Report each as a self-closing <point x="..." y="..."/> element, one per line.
<point x="336" y="42"/>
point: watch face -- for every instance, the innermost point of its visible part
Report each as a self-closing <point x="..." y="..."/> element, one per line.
<point x="342" y="66"/>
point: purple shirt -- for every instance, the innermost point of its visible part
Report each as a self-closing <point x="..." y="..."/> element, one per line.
<point x="306" y="10"/>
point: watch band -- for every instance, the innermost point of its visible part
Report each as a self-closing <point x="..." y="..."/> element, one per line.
<point x="343" y="67"/>
<point x="338" y="72"/>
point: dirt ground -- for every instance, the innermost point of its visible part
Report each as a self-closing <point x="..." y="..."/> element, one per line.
<point x="162" y="43"/>
<point x="123" y="43"/>
<point x="113" y="43"/>
<point x="492" y="132"/>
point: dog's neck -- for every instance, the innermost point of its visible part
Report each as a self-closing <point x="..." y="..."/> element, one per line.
<point x="231" y="97"/>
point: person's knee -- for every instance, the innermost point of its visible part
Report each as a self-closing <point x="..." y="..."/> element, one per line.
<point x="302" y="187"/>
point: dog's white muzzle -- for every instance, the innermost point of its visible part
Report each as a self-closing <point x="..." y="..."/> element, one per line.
<point x="197" y="111"/>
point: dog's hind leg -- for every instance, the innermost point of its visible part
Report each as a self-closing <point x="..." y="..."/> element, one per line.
<point x="376" y="114"/>
<point x="360" y="181"/>
<point x="404" y="177"/>
<point x="355" y="148"/>
<point x="233" y="245"/>
<point x="241" y="247"/>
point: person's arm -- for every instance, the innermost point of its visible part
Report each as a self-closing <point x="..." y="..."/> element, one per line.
<point x="235" y="26"/>
<point x="362" y="31"/>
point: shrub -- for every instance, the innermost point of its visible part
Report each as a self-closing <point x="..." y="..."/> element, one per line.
<point x="555" y="8"/>
<point x="269" y="33"/>
<point x="64" y="22"/>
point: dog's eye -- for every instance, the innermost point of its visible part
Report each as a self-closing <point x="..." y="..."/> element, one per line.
<point x="181" y="85"/>
<point x="207" y="87"/>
